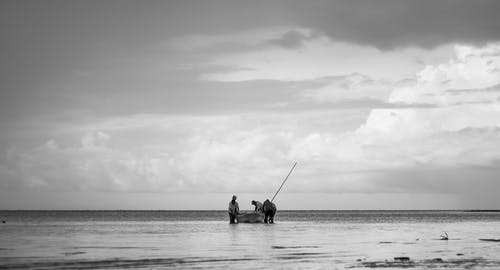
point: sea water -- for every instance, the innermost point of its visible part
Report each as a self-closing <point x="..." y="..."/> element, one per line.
<point x="205" y="239"/>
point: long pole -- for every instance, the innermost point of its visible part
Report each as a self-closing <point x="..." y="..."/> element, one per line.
<point x="284" y="181"/>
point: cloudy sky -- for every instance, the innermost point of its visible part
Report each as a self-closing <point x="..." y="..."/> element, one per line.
<point x="385" y="104"/>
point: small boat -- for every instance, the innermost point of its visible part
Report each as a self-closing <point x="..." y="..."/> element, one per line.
<point x="252" y="217"/>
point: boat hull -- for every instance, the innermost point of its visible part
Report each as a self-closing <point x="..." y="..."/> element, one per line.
<point x="251" y="218"/>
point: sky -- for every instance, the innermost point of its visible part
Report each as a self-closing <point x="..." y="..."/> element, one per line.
<point x="384" y="104"/>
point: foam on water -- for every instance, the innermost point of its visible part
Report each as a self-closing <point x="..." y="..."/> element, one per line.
<point x="204" y="239"/>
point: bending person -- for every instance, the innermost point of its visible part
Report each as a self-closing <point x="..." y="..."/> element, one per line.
<point x="269" y="211"/>
<point x="258" y="206"/>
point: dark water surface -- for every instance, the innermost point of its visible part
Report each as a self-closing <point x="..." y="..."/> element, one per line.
<point x="204" y="239"/>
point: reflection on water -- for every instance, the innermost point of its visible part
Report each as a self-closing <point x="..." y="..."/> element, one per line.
<point x="204" y="239"/>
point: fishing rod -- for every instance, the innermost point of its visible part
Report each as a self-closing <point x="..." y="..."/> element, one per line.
<point x="284" y="181"/>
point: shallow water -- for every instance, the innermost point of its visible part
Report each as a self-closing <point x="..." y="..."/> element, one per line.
<point x="204" y="239"/>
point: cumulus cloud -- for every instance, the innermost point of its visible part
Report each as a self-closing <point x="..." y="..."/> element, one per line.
<point x="472" y="76"/>
<point x="251" y="152"/>
<point x="431" y="144"/>
<point x="90" y="165"/>
<point x="212" y="154"/>
<point x="434" y="137"/>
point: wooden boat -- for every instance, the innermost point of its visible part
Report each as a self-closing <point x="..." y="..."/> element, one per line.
<point x="251" y="217"/>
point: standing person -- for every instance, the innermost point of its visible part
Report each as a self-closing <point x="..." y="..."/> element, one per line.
<point x="233" y="210"/>
<point x="258" y="206"/>
<point x="269" y="211"/>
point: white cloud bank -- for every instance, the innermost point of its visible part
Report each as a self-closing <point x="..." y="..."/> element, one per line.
<point x="252" y="152"/>
<point x="473" y="76"/>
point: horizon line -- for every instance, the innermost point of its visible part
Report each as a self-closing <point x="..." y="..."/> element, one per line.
<point x="221" y="210"/>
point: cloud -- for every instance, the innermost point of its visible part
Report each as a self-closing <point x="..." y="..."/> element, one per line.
<point x="390" y="24"/>
<point x="251" y="153"/>
<point x="384" y="24"/>
<point x="91" y="165"/>
<point x="316" y="58"/>
<point x="434" y="137"/>
<point x="439" y="148"/>
<point x="293" y="39"/>
<point x="443" y="180"/>
<point x="350" y="87"/>
<point x="253" y="39"/>
<point x="472" y="76"/>
<point x="161" y="153"/>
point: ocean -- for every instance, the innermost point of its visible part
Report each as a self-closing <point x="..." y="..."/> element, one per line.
<point x="205" y="239"/>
